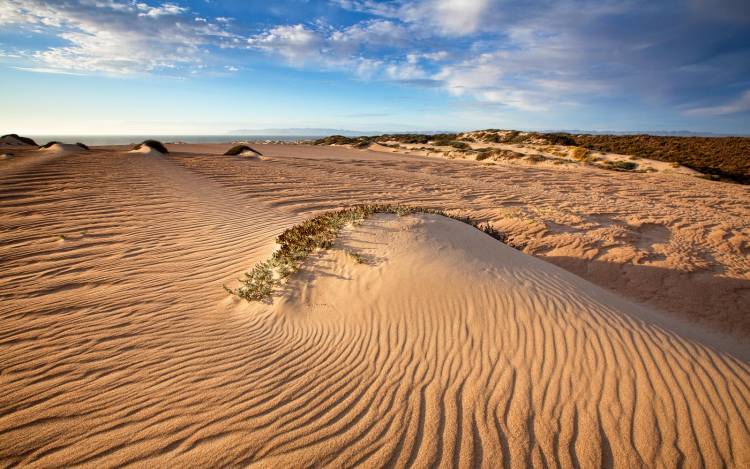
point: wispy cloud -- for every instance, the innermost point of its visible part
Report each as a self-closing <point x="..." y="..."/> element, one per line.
<point x="53" y="71"/>
<point x="740" y="104"/>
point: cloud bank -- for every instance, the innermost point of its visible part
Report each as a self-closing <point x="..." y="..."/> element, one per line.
<point x="690" y="56"/>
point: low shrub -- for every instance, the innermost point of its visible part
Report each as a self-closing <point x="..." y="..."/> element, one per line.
<point x="299" y="241"/>
<point x="622" y="165"/>
<point x="579" y="153"/>
<point x="239" y="149"/>
<point x="536" y="158"/>
<point x="153" y="144"/>
<point x="49" y="144"/>
<point x="335" y="140"/>
<point x="83" y="145"/>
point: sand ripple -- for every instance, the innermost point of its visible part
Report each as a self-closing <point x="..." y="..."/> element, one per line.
<point x="447" y="350"/>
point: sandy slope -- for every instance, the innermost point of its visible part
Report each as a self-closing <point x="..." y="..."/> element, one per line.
<point x="678" y="243"/>
<point x="446" y="349"/>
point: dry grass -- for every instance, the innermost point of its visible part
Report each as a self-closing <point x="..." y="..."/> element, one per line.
<point x="579" y="153"/>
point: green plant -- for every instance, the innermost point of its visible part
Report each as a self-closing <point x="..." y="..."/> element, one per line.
<point x="299" y="241"/>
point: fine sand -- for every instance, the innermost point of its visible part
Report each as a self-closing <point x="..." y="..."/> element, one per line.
<point x="445" y="348"/>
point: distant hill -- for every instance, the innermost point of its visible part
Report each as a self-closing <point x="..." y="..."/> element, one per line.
<point x="301" y="131"/>
<point x="319" y="132"/>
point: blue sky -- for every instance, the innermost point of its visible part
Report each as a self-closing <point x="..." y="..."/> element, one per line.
<point x="212" y="66"/>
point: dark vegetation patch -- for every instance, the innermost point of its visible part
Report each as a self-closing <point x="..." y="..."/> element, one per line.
<point x="724" y="157"/>
<point x="536" y="158"/>
<point x="25" y="140"/>
<point x="621" y="165"/>
<point x="83" y="145"/>
<point x="356" y="142"/>
<point x="497" y="153"/>
<point x="153" y="144"/>
<point x="452" y="143"/>
<point x="49" y="144"/>
<point x="239" y="149"/>
<point x="299" y="241"/>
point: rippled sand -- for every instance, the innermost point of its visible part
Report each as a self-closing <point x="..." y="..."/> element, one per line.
<point x="446" y="348"/>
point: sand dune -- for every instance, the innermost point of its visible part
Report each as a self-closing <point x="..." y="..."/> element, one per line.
<point x="446" y="349"/>
<point x="675" y="242"/>
<point x="61" y="149"/>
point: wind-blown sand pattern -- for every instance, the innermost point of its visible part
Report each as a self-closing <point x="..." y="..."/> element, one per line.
<point x="446" y="349"/>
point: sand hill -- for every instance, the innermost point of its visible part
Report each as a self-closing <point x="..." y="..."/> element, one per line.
<point x="56" y="148"/>
<point x="444" y="348"/>
<point x="14" y="140"/>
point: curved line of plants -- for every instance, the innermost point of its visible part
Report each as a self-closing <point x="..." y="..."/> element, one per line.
<point x="299" y="241"/>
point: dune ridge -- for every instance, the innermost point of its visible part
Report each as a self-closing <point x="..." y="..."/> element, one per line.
<point x="444" y="349"/>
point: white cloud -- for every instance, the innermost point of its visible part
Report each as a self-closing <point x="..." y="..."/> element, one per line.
<point x="162" y="10"/>
<point x="447" y="17"/>
<point x="53" y="71"/>
<point x="370" y="33"/>
<point x="297" y="43"/>
<point x="115" y="36"/>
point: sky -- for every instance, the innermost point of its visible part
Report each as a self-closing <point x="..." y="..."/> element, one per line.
<point x="216" y="66"/>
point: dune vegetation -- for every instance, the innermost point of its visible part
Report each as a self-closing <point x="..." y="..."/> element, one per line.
<point x="153" y="144"/>
<point x="241" y="149"/>
<point x="299" y="241"/>
<point x="16" y="137"/>
<point x="721" y="158"/>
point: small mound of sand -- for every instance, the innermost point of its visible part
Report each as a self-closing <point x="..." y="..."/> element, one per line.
<point x="242" y="150"/>
<point x="150" y="147"/>
<point x="57" y="148"/>
<point x="15" y="140"/>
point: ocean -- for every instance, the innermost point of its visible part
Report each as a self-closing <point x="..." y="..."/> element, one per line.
<point x="94" y="140"/>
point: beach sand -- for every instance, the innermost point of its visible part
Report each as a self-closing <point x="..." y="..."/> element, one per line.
<point x="614" y="335"/>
